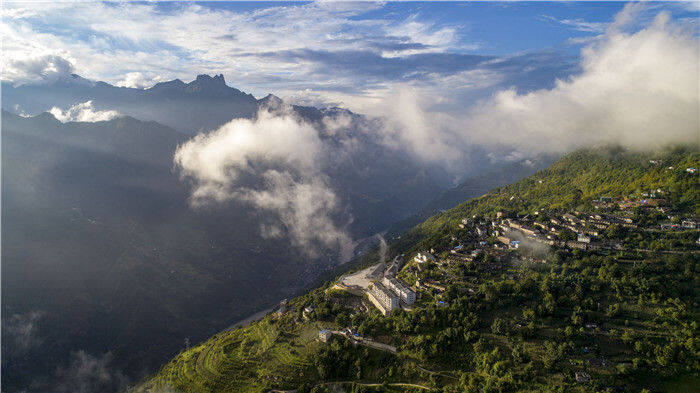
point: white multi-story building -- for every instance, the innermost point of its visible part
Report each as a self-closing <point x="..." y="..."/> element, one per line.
<point x="423" y="257"/>
<point x="385" y="300"/>
<point x="405" y="293"/>
<point x="324" y="335"/>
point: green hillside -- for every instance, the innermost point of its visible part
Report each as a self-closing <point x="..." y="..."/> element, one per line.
<point x="572" y="182"/>
<point x="493" y="317"/>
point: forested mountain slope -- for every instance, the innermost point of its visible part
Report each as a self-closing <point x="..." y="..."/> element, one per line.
<point x="497" y="318"/>
<point x="574" y="181"/>
<point x="100" y="243"/>
<point x="104" y="253"/>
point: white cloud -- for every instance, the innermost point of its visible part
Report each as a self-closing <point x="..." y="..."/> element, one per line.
<point x="21" y="331"/>
<point x="579" y="24"/>
<point x="286" y="154"/>
<point x="636" y="88"/>
<point x="407" y="126"/>
<point x="83" y="112"/>
<point x="639" y="89"/>
<point x="109" y="40"/>
<point x="88" y="374"/>
<point x="138" y="80"/>
<point x="37" y="68"/>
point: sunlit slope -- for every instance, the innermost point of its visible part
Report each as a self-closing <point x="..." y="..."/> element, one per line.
<point x="573" y="181"/>
<point x="460" y="346"/>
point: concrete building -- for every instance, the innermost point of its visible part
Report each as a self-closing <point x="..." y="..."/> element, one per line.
<point x="384" y="299"/>
<point x="405" y="293"/>
<point x="307" y="312"/>
<point x="283" y="307"/>
<point x="690" y="224"/>
<point x="423" y="257"/>
<point x="583" y="238"/>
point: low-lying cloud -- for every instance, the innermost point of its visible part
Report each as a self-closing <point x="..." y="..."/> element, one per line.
<point x="636" y="89"/>
<point x="20" y="332"/>
<point x="89" y="374"/>
<point x="37" y="68"/>
<point x="83" y="112"/>
<point x="274" y="163"/>
<point x="139" y="80"/>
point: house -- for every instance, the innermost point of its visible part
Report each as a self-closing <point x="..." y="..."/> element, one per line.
<point x="539" y="224"/>
<point x="582" y="376"/>
<point x="505" y="240"/>
<point x="283" y="307"/>
<point x="570" y="217"/>
<point x="514" y="244"/>
<point x="690" y="170"/>
<point x="579" y="245"/>
<point x="325" y="335"/>
<point x="690" y="224"/>
<point x="307" y="312"/>
<point x="583" y="238"/>
<point x="457" y="249"/>
<point x="423" y="257"/>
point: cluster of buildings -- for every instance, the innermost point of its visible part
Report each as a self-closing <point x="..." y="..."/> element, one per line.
<point x="390" y="293"/>
<point x="690" y="170"/>
<point x="488" y="242"/>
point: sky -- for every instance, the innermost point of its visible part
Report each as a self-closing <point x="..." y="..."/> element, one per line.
<point x="319" y="53"/>
<point x="449" y="82"/>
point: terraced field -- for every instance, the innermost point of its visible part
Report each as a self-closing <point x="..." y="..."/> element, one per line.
<point x="263" y="355"/>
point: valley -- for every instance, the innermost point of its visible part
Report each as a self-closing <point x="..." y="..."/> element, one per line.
<point x="551" y="310"/>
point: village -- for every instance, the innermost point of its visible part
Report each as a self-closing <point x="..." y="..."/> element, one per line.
<point x="498" y="242"/>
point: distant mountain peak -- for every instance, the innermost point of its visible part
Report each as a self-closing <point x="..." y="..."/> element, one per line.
<point x="46" y="116"/>
<point x="173" y="84"/>
<point x="271" y="103"/>
<point x="74" y="79"/>
<point x="217" y="79"/>
<point x="271" y="99"/>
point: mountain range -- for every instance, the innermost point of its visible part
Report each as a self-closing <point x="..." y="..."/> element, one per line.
<point x="102" y="245"/>
<point x="613" y="312"/>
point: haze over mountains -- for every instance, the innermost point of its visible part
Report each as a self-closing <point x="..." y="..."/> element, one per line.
<point x="202" y="104"/>
<point x="106" y="251"/>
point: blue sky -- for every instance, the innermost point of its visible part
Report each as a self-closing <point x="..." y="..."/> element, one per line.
<point x="315" y="53"/>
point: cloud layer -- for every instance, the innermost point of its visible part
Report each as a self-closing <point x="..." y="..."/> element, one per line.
<point x="638" y="89"/>
<point x="274" y="163"/>
<point x="83" y="112"/>
<point x="321" y="52"/>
